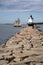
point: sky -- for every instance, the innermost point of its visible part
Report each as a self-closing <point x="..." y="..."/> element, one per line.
<point x="10" y="10"/>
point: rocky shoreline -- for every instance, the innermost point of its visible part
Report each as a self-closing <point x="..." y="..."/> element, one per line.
<point x="24" y="48"/>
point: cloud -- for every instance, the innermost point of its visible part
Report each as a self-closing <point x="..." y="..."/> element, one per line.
<point x="21" y="5"/>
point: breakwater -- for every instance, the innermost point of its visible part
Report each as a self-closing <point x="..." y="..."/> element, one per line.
<point x="25" y="47"/>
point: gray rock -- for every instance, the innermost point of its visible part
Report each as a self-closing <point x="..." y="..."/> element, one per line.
<point x="26" y="48"/>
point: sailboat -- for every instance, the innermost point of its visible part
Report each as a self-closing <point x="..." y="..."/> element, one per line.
<point x="17" y="23"/>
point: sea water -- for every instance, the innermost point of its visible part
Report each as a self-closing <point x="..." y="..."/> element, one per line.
<point x="7" y="31"/>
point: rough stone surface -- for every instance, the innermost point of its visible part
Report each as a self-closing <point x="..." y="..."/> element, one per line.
<point x="24" y="48"/>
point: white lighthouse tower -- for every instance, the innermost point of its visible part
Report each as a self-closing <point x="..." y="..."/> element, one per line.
<point x="30" y="20"/>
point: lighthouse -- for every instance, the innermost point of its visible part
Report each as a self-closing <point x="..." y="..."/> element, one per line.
<point x="30" y="21"/>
